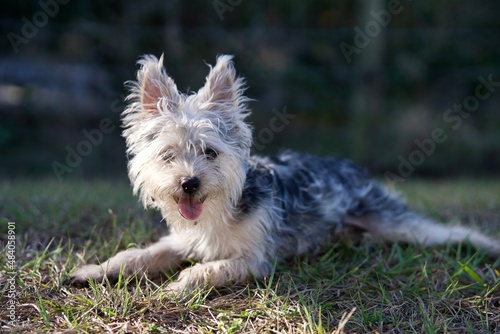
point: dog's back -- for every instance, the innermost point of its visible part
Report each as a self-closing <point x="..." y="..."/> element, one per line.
<point x="311" y="198"/>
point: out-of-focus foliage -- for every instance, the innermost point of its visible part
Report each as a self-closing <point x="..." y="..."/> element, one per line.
<point x="369" y="80"/>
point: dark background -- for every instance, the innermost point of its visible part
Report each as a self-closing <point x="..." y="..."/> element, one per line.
<point x="66" y="76"/>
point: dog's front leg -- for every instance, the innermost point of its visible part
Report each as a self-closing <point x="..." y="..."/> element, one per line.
<point x="154" y="259"/>
<point x="219" y="273"/>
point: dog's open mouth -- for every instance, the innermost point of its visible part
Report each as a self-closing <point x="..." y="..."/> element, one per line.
<point x="190" y="206"/>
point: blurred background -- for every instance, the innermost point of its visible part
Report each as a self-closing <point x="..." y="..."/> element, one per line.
<point x="374" y="81"/>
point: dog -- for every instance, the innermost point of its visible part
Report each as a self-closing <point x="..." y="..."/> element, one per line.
<point x="235" y="214"/>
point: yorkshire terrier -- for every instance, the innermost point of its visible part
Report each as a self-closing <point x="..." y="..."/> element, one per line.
<point x="233" y="213"/>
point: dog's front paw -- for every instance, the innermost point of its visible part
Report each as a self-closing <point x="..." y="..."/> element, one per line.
<point x="184" y="288"/>
<point x="126" y="264"/>
<point x="198" y="277"/>
<point x="177" y="290"/>
<point x="189" y="280"/>
<point x="83" y="274"/>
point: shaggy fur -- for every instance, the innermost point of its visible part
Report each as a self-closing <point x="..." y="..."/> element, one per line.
<point x="189" y="157"/>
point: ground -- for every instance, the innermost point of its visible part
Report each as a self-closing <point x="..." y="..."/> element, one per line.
<point x="351" y="288"/>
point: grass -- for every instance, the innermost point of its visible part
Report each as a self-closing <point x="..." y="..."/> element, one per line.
<point x="349" y="288"/>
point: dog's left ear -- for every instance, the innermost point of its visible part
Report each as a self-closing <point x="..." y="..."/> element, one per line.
<point x="223" y="90"/>
<point x="223" y="95"/>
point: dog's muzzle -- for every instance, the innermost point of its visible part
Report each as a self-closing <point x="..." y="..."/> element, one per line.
<point x="190" y="203"/>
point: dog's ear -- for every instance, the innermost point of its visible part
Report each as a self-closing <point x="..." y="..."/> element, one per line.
<point x="154" y="89"/>
<point x="223" y="95"/>
<point x="222" y="90"/>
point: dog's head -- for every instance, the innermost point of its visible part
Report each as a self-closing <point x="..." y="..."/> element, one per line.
<point x="187" y="153"/>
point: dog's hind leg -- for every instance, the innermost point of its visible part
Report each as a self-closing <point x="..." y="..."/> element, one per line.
<point x="389" y="218"/>
<point x="412" y="228"/>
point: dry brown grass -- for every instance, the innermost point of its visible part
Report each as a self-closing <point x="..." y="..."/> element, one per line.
<point x="349" y="288"/>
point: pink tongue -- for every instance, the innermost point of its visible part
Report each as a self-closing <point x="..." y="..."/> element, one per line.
<point x="190" y="207"/>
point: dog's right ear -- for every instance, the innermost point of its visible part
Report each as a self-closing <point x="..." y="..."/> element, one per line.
<point x="155" y="90"/>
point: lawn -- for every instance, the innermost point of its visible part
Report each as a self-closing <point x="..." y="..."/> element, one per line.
<point x="349" y="288"/>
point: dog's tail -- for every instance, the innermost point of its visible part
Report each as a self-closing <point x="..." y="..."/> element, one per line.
<point x="388" y="218"/>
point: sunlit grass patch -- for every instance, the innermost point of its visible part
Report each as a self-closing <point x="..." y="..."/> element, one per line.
<point x="391" y="288"/>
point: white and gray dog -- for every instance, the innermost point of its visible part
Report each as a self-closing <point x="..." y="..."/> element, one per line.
<point x="236" y="214"/>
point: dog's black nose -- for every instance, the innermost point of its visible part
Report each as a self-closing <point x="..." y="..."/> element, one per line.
<point x="190" y="186"/>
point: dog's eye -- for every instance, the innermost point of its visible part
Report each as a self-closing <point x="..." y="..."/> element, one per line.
<point x="211" y="154"/>
<point x="167" y="156"/>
